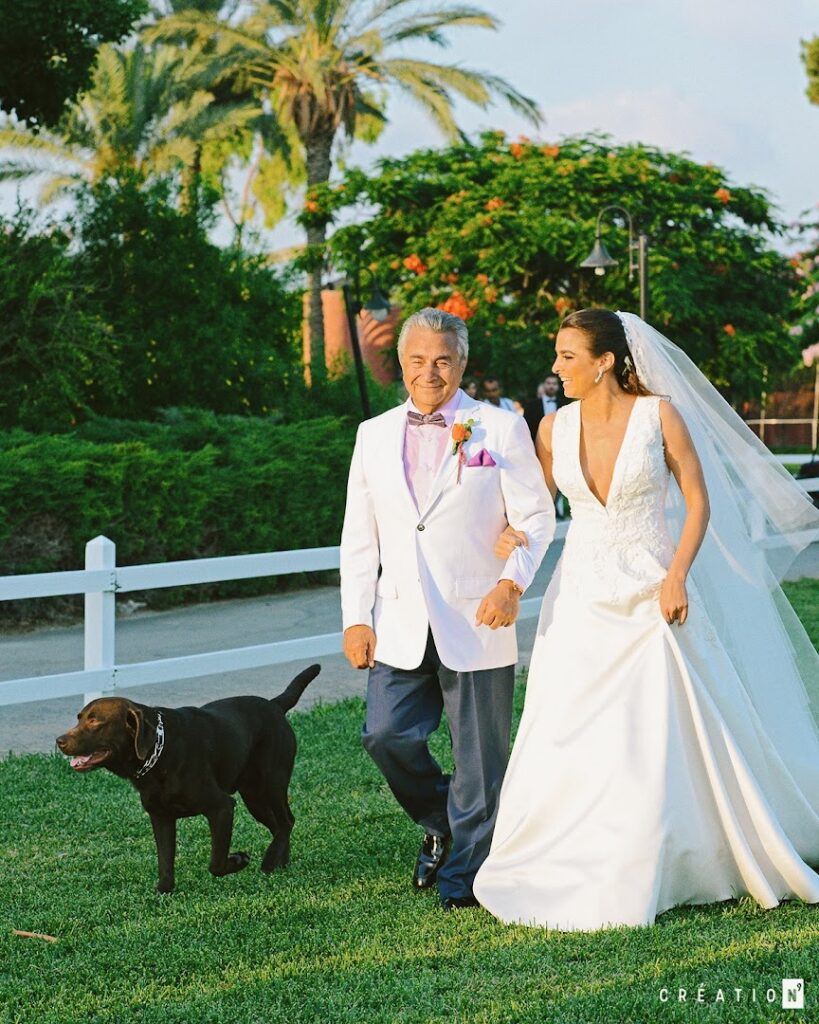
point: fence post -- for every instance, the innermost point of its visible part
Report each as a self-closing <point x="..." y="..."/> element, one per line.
<point x="100" y="611"/>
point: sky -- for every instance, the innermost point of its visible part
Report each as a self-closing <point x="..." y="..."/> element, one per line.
<point x="719" y="79"/>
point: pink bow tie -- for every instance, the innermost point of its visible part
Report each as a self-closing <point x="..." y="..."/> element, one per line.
<point x="416" y="419"/>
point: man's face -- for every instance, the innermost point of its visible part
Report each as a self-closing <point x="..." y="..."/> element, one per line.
<point x="491" y="391"/>
<point x="551" y="387"/>
<point x="431" y="367"/>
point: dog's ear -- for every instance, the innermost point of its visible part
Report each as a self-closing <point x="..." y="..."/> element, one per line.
<point x="136" y="725"/>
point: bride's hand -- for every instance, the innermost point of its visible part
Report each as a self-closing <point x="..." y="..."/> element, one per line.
<point x="508" y="541"/>
<point x="674" y="600"/>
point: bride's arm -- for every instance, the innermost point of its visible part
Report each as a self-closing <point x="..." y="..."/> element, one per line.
<point x="510" y="539"/>
<point x="683" y="461"/>
<point x="543" y="450"/>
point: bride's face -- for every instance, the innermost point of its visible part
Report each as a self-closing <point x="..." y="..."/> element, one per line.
<point x="575" y="363"/>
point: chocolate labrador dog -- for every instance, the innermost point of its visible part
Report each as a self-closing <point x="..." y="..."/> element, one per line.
<point x="187" y="761"/>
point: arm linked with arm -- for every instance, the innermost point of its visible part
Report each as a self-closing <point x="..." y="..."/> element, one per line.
<point x="529" y="507"/>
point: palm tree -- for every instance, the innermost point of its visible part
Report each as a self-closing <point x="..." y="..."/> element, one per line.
<point x="268" y="154"/>
<point x="328" y="66"/>
<point x="145" y="113"/>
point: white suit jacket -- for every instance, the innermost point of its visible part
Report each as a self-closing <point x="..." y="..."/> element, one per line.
<point x="437" y="563"/>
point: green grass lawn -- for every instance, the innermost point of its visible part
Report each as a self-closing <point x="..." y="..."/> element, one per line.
<point x="340" y="936"/>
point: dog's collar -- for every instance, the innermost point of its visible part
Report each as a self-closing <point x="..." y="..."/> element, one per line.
<point x="158" y="747"/>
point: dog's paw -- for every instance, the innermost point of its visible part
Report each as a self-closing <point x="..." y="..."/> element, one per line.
<point x="238" y="861"/>
<point x="276" y="859"/>
<point x="163" y="885"/>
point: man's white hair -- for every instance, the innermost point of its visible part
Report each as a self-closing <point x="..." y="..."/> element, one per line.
<point x="440" y="322"/>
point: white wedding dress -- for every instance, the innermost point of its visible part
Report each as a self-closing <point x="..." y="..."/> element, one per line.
<point x="642" y="776"/>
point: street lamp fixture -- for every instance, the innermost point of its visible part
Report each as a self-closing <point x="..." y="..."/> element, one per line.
<point x="378" y="305"/>
<point x="599" y="259"/>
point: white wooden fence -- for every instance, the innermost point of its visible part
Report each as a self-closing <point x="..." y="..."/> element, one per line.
<point x="102" y="579"/>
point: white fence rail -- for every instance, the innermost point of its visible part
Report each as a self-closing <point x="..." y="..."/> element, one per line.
<point x="102" y="580"/>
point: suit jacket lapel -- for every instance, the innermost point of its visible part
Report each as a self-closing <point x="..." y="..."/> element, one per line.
<point x="448" y="469"/>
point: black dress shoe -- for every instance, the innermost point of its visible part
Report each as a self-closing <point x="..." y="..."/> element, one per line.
<point x="458" y="902"/>
<point x="430" y="858"/>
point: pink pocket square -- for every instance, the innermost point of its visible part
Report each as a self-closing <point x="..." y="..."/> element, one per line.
<point x="483" y="458"/>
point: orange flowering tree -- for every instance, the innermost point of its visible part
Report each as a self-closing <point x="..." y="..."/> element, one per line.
<point x="494" y="231"/>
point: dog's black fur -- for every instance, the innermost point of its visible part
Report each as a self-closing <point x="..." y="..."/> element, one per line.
<point x="240" y="743"/>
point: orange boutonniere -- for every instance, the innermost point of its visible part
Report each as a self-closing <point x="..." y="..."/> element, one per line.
<point x="461" y="433"/>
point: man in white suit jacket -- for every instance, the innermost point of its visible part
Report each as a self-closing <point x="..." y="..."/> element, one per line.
<point x="427" y="606"/>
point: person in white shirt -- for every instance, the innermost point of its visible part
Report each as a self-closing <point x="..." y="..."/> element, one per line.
<point x="432" y="484"/>
<point x="492" y="394"/>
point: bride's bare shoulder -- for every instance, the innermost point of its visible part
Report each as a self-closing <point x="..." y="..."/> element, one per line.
<point x="544" y="430"/>
<point x="675" y="431"/>
<point x="668" y="413"/>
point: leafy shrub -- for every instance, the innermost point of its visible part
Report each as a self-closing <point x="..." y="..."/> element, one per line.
<point x="202" y="487"/>
<point x="194" y="324"/>
<point x="56" y="350"/>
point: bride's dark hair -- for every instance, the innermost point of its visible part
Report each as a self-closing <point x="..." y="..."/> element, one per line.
<point x="606" y="333"/>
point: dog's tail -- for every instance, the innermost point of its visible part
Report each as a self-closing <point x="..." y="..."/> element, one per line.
<point x="290" y="697"/>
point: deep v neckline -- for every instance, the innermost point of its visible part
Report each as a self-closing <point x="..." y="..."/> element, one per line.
<point x="604" y="504"/>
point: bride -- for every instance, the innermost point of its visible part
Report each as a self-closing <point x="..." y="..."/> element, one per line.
<point x="668" y="751"/>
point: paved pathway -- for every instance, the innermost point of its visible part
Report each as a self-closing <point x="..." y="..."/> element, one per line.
<point x="146" y="635"/>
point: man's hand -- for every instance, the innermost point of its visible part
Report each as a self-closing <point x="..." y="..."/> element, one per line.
<point x="508" y="541"/>
<point x="359" y="646"/>
<point x="500" y="606"/>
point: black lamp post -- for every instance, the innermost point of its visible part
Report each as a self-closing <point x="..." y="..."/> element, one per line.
<point x="599" y="259"/>
<point x="378" y="306"/>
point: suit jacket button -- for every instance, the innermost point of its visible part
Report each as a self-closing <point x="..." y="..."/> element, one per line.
<point x="420" y="527"/>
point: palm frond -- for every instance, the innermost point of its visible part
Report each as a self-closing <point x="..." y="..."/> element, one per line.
<point x="366" y="44"/>
<point x="430" y="25"/>
<point x="280" y="12"/>
<point x="377" y="11"/>
<point x="516" y="100"/>
<point x="431" y="96"/>
<point x="476" y="86"/>
<point x="57" y="187"/>
<point x="370" y="118"/>
<point x="201" y="32"/>
<point x="270" y="186"/>
<point x="185" y="117"/>
<point x="32" y="142"/>
<point x="24" y="167"/>
<point x="469" y="84"/>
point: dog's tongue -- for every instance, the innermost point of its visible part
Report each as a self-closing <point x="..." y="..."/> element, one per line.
<point x="78" y="762"/>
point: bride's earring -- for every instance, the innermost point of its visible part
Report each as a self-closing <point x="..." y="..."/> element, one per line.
<point x="599" y="376"/>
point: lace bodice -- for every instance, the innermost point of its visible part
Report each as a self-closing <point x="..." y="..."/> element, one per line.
<point x="620" y="550"/>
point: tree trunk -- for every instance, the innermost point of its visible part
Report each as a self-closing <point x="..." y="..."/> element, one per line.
<point x="189" y="199"/>
<point x="317" y="150"/>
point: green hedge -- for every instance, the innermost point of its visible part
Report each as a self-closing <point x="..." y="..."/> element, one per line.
<point x="204" y="486"/>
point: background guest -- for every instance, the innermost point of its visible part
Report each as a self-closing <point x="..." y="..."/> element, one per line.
<point x="492" y="393"/>
<point x="550" y="399"/>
